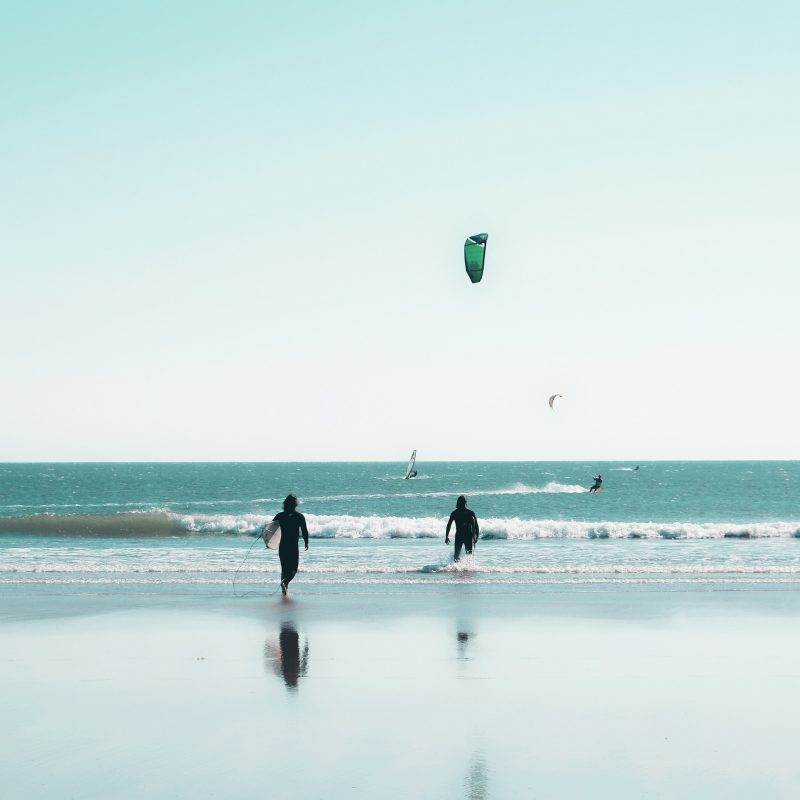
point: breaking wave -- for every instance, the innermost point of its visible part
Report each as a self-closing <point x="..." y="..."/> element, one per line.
<point x="342" y="526"/>
<point x="368" y="527"/>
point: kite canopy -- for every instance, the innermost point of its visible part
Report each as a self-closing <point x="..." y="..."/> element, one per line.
<point x="474" y="255"/>
<point x="553" y="399"/>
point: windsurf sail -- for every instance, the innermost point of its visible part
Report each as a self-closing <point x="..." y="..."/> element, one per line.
<point x="475" y="255"/>
<point x="410" y="471"/>
<point x="553" y="399"/>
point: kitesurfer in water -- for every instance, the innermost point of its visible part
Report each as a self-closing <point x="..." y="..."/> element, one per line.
<point x="467" y="529"/>
<point x="293" y="526"/>
<point x="598" y="484"/>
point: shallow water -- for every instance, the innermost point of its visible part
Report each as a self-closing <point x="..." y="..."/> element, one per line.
<point x="179" y="523"/>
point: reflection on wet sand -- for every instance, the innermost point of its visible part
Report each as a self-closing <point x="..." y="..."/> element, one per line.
<point x="463" y="635"/>
<point x="284" y="658"/>
<point x="476" y="783"/>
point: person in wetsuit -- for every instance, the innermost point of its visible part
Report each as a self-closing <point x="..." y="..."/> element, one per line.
<point x="467" y="529"/>
<point x="293" y="525"/>
<point x="598" y="484"/>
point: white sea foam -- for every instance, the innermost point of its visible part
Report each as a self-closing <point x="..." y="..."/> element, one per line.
<point x="515" y="528"/>
<point x="465" y="566"/>
<point x="552" y="487"/>
<point x="221" y="523"/>
<point x="406" y="581"/>
<point x="343" y="526"/>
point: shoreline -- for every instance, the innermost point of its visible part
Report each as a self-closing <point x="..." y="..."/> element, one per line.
<point x="361" y="600"/>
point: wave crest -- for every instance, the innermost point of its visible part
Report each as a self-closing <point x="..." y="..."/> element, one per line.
<point x="343" y="526"/>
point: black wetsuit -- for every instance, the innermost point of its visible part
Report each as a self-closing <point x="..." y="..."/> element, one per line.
<point x="467" y="529"/>
<point x="293" y="525"/>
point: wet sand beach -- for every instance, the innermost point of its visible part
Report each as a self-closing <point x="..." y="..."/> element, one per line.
<point x="429" y="691"/>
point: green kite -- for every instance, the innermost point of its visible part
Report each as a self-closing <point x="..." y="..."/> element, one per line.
<point x="475" y="255"/>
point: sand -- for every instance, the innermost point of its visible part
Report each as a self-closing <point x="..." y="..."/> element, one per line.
<point x="407" y="692"/>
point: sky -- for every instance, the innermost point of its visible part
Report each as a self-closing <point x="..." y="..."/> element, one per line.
<point x="234" y="231"/>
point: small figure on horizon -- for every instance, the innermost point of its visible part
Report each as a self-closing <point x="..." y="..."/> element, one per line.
<point x="293" y="525"/>
<point x="598" y="484"/>
<point x="467" y="529"/>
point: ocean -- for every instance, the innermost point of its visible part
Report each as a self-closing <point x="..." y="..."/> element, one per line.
<point x="665" y="523"/>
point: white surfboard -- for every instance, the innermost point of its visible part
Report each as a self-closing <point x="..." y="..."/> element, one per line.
<point x="272" y="535"/>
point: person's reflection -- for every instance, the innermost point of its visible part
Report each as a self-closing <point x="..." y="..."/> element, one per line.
<point x="476" y="782"/>
<point x="285" y="658"/>
<point x="463" y="635"/>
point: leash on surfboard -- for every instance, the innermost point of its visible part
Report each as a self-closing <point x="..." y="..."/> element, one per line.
<point x="259" y="538"/>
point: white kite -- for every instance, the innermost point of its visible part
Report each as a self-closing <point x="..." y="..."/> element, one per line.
<point x="553" y="399"/>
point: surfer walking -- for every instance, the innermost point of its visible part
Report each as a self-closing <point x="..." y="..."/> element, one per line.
<point x="467" y="529"/>
<point x="293" y="526"/>
<point x="598" y="484"/>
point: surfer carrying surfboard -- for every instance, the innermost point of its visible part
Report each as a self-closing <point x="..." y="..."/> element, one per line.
<point x="467" y="529"/>
<point x="292" y="527"/>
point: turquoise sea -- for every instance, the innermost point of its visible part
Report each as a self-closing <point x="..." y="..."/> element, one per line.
<point x="163" y="523"/>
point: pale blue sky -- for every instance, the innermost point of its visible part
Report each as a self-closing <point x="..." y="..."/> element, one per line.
<point x="234" y="230"/>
